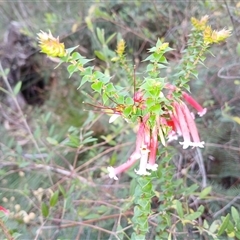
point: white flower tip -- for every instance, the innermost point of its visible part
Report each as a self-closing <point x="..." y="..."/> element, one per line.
<point x="113" y="118"/>
<point x="185" y="144"/>
<point x="112" y="174"/>
<point x="142" y="172"/>
<point x="172" y="136"/>
<point x="192" y="144"/>
<point x="202" y="112"/>
<point x="152" y="167"/>
<point x="200" y="144"/>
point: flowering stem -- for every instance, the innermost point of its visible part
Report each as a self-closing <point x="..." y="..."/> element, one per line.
<point x="142" y="198"/>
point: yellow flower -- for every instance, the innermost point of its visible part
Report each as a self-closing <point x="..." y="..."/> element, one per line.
<point x="120" y="47"/>
<point x="200" y="24"/>
<point x="223" y="35"/>
<point x="51" y="45"/>
<point x="208" y="35"/>
<point x="211" y="36"/>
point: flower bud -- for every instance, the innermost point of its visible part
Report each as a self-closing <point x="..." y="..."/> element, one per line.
<point x="51" y="45"/>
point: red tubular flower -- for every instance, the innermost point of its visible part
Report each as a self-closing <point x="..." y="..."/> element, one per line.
<point x="187" y="126"/>
<point x="4" y="210"/>
<point x="192" y="127"/>
<point x="145" y="150"/>
<point x="181" y="122"/>
<point x="201" y="111"/>
<point x="179" y="115"/>
<point x="143" y="161"/>
<point x="153" y="149"/>
<point x="113" y="172"/>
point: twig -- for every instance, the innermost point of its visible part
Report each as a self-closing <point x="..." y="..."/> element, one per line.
<point x="231" y="17"/>
<point x="102" y="154"/>
<point x="5" y="231"/>
<point x="52" y="169"/>
<point x="220" y="75"/>
<point x="226" y="207"/>
<point x="18" y="107"/>
<point x="223" y="146"/>
<point x="201" y="168"/>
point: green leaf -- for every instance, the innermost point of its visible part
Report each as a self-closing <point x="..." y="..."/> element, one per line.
<point x="74" y="140"/>
<point x="230" y="227"/>
<point x="100" y="35"/>
<point x="97" y="86"/>
<point x="88" y="21"/>
<point x="72" y="69"/>
<point x="45" y="210"/>
<point x="77" y="56"/>
<point x="190" y="190"/>
<point x="110" y="87"/>
<point x="100" y="55"/>
<point x="144" y="204"/>
<point x="205" y="224"/>
<point x="113" y="159"/>
<point x="200" y="209"/>
<point x="150" y="102"/>
<point x="110" y="38"/>
<point x="135" y="236"/>
<point x="102" y="77"/>
<point x="179" y="208"/>
<point x="16" y="235"/>
<point x="237" y="234"/>
<point x="105" y="98"/>
<point x="121" y="99"/>
<point x="85" y="79"/>
<point x="224" y="225"/>
<point x="156" y="109"/>
<point x="205" y="192"/>
<point x="17" y="88"/>
<point x="62" y="190"/>
<point x="129" y="101"/>
<point x="70" y="50"/>
<point x="89" y="139"/>
<point x="127" y="111"/>
<point x="193" y="216"/>
<point x="52" y="141"/>
<point x="214" y="226"/>
<point x="54" y="199"/>
<point x="235" y="215"/>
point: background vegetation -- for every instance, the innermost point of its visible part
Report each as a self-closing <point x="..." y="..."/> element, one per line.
<point x="53" y="154"/>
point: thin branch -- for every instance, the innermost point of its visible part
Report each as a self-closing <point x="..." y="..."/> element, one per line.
<point x="223" y="146"/>
<point x="226" y="207"/>
<point x="231" y="18"/>
<point x="202" y="168"/>
<point x="5" y="231"/>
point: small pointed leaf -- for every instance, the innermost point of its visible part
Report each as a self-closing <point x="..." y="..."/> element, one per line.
<point x="54" y="199"/>
<point x="17" y="88"/>
<point x="45" y="210"/>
